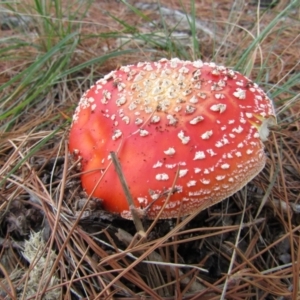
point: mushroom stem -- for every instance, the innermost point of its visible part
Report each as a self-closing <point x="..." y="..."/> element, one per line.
<point x="137" y="221"/>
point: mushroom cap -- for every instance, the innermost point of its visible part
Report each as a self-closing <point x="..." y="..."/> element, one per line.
<point x="203" y="120"/>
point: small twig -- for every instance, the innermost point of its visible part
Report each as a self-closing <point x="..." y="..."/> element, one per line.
<point x="268" y="192"/>
<point x="7" y="288"/>
<point x="137" y="221"/>
<point x="233" y="256"/>
<point x="153" y="270"/>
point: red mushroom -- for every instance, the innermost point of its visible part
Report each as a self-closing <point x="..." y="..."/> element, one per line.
<point x="207" y="120"/>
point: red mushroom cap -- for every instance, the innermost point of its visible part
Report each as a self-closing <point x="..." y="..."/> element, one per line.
<point x="207" y="120"/>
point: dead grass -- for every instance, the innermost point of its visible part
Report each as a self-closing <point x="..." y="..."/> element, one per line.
<point x="246" y="247"/>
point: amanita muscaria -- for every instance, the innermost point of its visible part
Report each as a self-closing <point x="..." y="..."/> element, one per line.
<point x="205" y="120"/>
